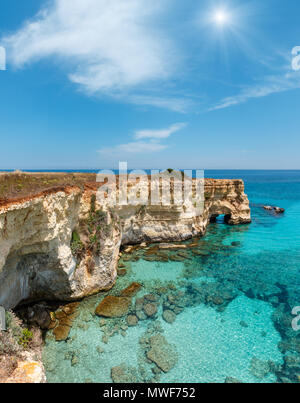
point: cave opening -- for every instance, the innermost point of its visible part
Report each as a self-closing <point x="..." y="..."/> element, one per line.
<point x="220" y="218"/>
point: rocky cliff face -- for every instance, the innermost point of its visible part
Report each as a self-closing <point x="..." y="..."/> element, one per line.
<point x="64" y="245"/>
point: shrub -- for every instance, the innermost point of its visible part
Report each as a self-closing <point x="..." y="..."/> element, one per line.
<point x="26" y="338"/>
<point x="77" y="246"/>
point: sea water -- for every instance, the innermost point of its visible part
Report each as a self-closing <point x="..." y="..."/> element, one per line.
<point x="234" y="303"/>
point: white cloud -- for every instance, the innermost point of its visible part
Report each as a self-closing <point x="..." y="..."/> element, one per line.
<point x="153" y="145"/>
<point x="271" y="85"/>
<point x="110" y="46"/>
<point x="159" y="134"/>
<point x="181" y="105"/>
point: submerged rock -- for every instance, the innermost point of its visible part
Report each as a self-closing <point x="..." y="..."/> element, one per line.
<point x="171" y="246"/>
<point x="64" y="320"/>
<point x="61" y="332"/>
<point x="169" y="316"/>
<point x="150" y="309"/>
<point x="259" y="368"/>
<point x="162" y="353"/>
<point x="113" y="307"/>
<point x="124" y="374"/>
<point x="232" y="380"/>
<point x="151" y="297"/>
<point x="132" y="290"/>
<point x="132" y="320"/>
<point x="122" y="272"/>
<point x="236" y="243"/>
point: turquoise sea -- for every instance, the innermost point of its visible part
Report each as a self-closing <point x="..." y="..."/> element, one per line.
<point x="228" y="299"/>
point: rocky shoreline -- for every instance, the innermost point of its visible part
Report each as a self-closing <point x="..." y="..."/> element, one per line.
<point x="61" y="245"/>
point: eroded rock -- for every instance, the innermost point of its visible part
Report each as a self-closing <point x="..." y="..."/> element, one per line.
<point x="113" y="307"/>
<point x="132" y="320"/>
<point x="150" y="309"/>
<point x="124" y="374"/>
<point x="132" y="290"/>
<point x="259" y="368"/>
<point x="169" y="316"/>
<point x="162" y="353"/>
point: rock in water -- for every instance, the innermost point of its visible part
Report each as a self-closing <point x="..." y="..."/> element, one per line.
<point x="236" y="243"/>
<point x="150" y="309"/>
<point x="132" y="290"/>
<point x="61" y="332"/>
<point x="64" y="318"/>
<point x="279" y="210"/>
<point x="124" y="374"/>
<point x="113" y="307"/>
<point x="122" y="272"/>
<point x="169" y="316"/>
<point x="162" y="353"/>
<point x="259" y="368"/>
<point x="232" y="380"/>
<point x="132" y="320"/>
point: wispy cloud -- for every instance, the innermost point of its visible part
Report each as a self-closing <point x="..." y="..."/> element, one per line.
<point x="176" y="104"/>
<point x="159" y="134"/>
<point x="152" y="145"/>
<point x="272" y="84"/>
<point x="110" y="47"/>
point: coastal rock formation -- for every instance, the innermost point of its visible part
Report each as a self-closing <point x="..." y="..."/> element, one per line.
<point x="277" y="210"/>
<point x="62" y="244"/>
<point x="28" y="372"/>
<point x="36" y="259"/>
<point x="178" y="222"/>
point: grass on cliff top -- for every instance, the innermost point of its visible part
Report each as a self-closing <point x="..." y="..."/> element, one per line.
<point x="16" y="185"/>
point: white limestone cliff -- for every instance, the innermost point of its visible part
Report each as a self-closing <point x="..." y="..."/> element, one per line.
<point x="36" y="260"/>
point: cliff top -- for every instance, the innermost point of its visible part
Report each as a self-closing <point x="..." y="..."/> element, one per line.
<point x="19" y="186"/>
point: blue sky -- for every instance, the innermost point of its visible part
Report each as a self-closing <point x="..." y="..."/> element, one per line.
<point x="167" y="83"/>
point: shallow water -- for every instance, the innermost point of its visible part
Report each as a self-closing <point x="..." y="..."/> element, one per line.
<point x="232" y="303"/>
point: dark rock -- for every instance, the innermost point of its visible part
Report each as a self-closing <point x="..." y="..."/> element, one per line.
<point x="236" y="243"/>
<point x="279" y="210"/>
<point x="38" y="315"/>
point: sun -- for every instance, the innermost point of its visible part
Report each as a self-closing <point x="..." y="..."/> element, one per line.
<point x="221" y="17"/>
